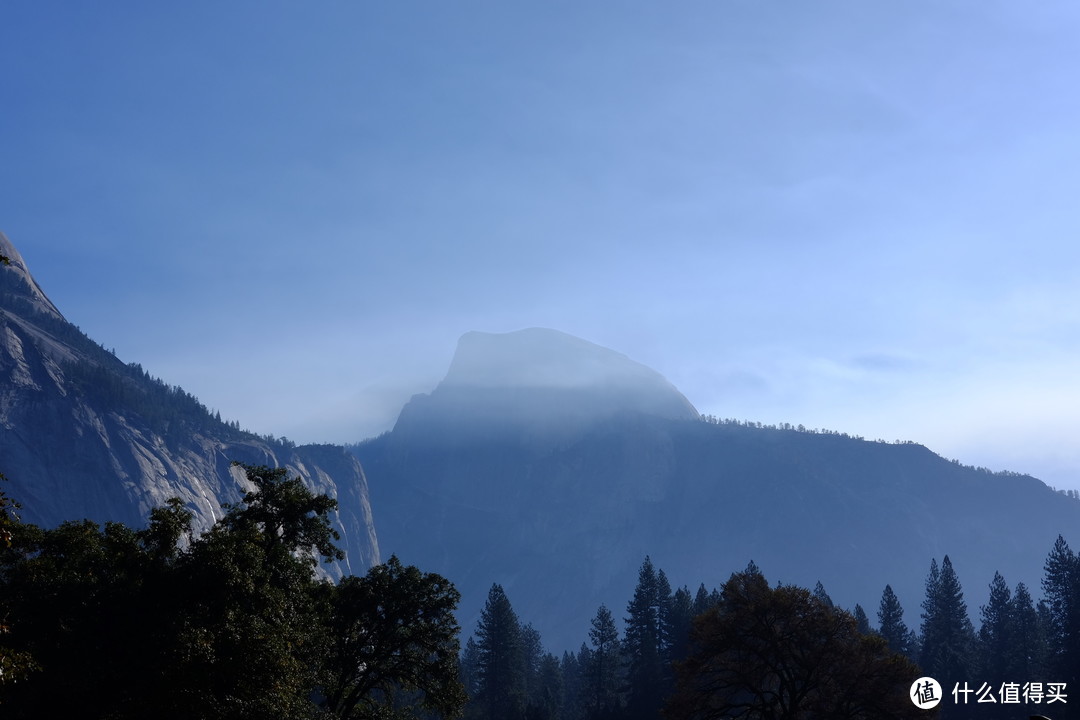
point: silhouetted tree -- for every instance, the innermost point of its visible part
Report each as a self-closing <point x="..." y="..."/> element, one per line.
<point x="681" y="619"/>
<point x="1029" y="636"/>
<point x="642" y="645"/>
<point x="501" y="665"/>
<point x="573" y="684"/>
<point x="1061" y="593"/>
<point x="862" y="623"/>
<point x="891" y="625"/>
<point x="948" y="636"/>
<point x="997" y="663"/>
<point x="127" y="624"/>
<point x="820" y="594"/>
<point x="393" y="643"/>
<point x="783" y="653"/>
<point x="546" y="698"/>
<point x="601" y="675"/>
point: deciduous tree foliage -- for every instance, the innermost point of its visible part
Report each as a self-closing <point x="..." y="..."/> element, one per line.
<point x="235" y="624"/>
<point x="393" y="643"/>
<point x="783" y="653"/>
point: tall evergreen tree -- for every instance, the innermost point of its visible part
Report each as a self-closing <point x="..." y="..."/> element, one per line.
<point x="891" y="624"/>
<point x="532" y="652"/>
<point x="642" y="640"/>
<point x="997" y="664"/>
<point x="573" y="682"/>
<point x="1029" y="636"/>
<point x="820" y="594"/>
<point x="702" y="600"/>
<point x="1061" y="592"/>
<point x="603" y="670"/>
<point x="682" y="617"/>
<point x="862" y="623"/>
<point x="469" y="668"/>
<point x="546" y="697"/>
<point x="501" y="662"/>
<point x="948" y="636"/>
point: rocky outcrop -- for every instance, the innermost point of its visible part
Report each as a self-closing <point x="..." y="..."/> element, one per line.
<point x="82" y="435"/>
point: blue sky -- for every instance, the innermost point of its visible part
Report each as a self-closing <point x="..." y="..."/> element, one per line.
<point x="846" y="214"/>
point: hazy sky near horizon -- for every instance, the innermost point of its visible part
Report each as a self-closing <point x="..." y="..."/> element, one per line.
<point x="845" y="214"/>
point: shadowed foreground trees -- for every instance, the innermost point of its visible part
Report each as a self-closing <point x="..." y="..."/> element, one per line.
<point x="117" y="623"/>
<point x="784" y="653"/>
<point x="393" y="643"/>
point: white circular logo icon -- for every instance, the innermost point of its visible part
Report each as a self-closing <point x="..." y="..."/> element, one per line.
<point x="925" y="693"/>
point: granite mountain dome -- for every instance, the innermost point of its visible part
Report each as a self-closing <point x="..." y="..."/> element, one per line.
<point x="537" y="382"/>
<point x="553" y="467"/>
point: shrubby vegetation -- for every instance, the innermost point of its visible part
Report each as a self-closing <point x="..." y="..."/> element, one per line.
<point x="120" y="623"/>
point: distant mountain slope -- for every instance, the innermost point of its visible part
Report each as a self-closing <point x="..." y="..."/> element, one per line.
<point x="562" y="518"/>
<point x="82" y="435"/>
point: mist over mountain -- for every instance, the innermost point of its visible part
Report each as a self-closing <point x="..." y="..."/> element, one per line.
<point x="553" y="467"/>
<point x="83" y="435"/>
<point x="538" y="382"/>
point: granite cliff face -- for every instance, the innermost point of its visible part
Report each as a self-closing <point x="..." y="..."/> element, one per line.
<point x="553" y="467"/>
<point x="83" y="435"/>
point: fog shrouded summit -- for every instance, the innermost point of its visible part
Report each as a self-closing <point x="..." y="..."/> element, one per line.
<point x="553" y="466"/>
<point x="539" y="381"/>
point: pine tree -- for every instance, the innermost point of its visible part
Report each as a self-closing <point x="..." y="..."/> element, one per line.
<point x="682" y="617"/>
<point x="501" y="671"/>
<point x="572" y="684"/>
<point x="891" y="624"/>
<point x="997" y="661"/>
<point x="642" y="645"/>
<point x="547" y="699"/>
<point x="1061" y="591"/>
<point x="948" y="636"/>
<point x="702" y="600"/>
<point x="469" y="668"/>
<point x="532" y="652"/>
<point x="1029" y="636"/>
<point x="862" y="623"/>
<point x="820" y="594"/>
<point x="603" y="668"/>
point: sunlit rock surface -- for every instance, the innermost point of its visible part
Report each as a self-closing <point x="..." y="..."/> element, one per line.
<point x="76" y="439"/>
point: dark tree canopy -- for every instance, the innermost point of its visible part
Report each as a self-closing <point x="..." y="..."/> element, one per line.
<point x="123" y="624"/>
<point x="891" y="625"/>
<point x="500" y="659"/>
<point x="393" y="642"/>
<point x="784" y="653"/>
<point x="948" y="637"/>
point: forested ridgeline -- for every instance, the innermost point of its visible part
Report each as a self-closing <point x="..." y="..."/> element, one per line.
<point x="120" y="623"/>
<point x="753" y="650"/>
